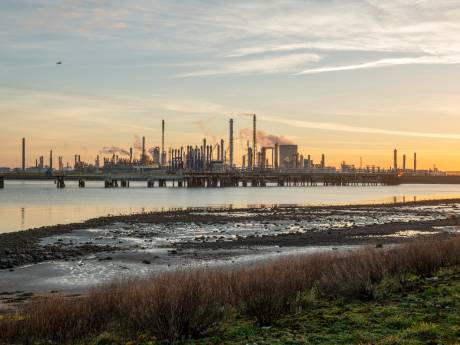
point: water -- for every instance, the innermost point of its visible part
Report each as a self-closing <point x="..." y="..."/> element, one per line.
<point x="29" y="204"/>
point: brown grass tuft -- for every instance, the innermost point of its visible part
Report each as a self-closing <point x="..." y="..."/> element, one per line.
<point x="185" y="304"/>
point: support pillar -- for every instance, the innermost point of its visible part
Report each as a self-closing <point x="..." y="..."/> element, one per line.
<point x="60" y="182"/>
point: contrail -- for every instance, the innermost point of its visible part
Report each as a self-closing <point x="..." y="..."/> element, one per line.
<point x="353" y="129"/>
<point x="421" y="60"/>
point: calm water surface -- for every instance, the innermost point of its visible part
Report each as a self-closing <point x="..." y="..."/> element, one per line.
<point x="28" y="204"/>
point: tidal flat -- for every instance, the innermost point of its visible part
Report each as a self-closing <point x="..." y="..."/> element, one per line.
<point x="75" y="257"/>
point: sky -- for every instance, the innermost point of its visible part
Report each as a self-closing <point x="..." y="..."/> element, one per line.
<point x="350" y="79"/>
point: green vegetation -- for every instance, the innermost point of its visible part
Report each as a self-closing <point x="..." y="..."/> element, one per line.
<point x="419" y="311"/>
<point x="405" y="295"/>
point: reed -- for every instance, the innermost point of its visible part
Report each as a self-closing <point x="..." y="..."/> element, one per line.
<point x="186" y="304"/>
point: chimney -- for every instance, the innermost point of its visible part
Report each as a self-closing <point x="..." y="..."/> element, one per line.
<point x="222" y="150"/>
<point x="51" y="159"/>
<point x="23" y="154"/>
<point x="395" y="160"/>
<point x="415" y="162"/>
<point x="230" y="155"/>
<point x="143" y="151"/>
<point x="205" y="154"/>
<point x="276" y="155"/>
<point x="162" y="158"/>
<point x="404" y="163"/>
<point x="130" y="154"/>
<point x="254" y="136"/>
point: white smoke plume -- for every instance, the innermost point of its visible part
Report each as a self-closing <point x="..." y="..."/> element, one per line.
<point x="114" y="150"/>
<point x="207" y="131"/>
<point x="264" y="139"/>
<point x="137" y="144"/>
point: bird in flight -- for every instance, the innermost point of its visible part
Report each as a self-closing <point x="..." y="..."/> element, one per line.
<point x="59" y="63"/>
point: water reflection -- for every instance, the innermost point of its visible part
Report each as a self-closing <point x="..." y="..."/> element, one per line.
<point x="48" y="205"/>
<point x="23" y="217"/>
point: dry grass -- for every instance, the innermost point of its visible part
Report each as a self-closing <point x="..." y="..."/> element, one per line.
<point x="185" y="304"/>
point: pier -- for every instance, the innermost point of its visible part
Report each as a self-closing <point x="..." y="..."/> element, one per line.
<point x="236" y="178"/>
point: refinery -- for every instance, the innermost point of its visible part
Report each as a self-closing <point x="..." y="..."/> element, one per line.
<point x="207" y="156"/>
<point x="212" y="164"/>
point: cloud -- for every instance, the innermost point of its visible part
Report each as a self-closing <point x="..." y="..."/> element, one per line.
<point x="443" y="60"/>
<point x="330" y="126"/>
<point x="268" y="65"/>
<point x="224" y="36"/>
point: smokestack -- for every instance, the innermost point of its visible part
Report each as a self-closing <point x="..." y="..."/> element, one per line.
<point x="230" y="155"/>
<point x="51" y="159"/>
<point x="254" y="136"/>
<point x="222" y="150"/>
<point x="323" y="161"/>
<point x="205" y="153"/>
<point x="23" y="154"/>
<point x="143" y="150"/>
<point x="276" y="155"/>
<point x="395" y="160"/>
<point x="130" y="154"/>
<point x="415" y="162"/>
<point x="162" y="141"/>
<point x="404" y="163"/>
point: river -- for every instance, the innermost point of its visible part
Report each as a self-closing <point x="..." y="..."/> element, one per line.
<point x="29" y="204"/>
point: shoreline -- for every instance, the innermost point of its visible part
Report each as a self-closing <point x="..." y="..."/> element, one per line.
<point x="23" y="247"/>
<point x="49" y="230"/>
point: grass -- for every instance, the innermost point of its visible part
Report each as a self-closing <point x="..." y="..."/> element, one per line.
<point x="407" y="295"/>
<point x="423" y="311"/>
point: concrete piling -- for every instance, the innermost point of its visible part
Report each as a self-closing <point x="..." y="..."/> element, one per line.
<point x="110" y="183"/>
<point x="60" y="183"/>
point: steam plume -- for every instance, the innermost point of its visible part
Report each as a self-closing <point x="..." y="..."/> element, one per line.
<point x="114" y="150"/>
<point x="137" y="145"/>
<point x="264" y="139"/>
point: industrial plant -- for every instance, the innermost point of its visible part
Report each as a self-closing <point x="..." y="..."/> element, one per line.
<point x="212" y="164"/>
<point x="206" y="156"/>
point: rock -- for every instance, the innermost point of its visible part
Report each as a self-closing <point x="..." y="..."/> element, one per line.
<point x="147" y="262"/>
